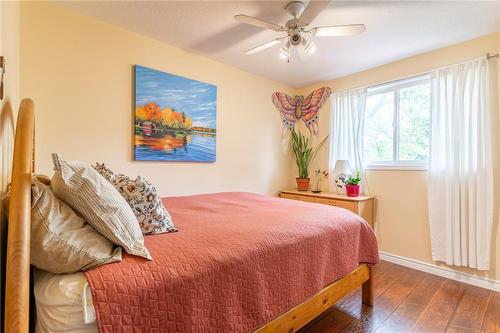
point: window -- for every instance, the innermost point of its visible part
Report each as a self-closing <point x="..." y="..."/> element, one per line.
<point x="397" y="124"/>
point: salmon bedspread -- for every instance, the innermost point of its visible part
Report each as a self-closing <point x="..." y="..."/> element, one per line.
<point x="238" y="261"/>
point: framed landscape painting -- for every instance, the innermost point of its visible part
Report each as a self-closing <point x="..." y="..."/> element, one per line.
<point x="175" y="118"/>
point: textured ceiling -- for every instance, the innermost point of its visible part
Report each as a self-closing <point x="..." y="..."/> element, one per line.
<point x="395" y="30"/>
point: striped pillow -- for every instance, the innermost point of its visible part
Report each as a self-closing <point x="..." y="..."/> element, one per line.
<point x="95" y="199"/>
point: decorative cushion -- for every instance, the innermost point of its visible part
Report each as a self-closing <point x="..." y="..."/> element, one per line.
<point x="61" y="241"/>
<point x="144" y="200"/>
<point x="95" y="199"/>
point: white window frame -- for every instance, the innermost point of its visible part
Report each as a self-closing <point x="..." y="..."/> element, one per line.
<point x="396" y="86"/>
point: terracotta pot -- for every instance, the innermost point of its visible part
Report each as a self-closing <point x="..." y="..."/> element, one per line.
<point x="302" y="184"/>
<point x="352" y="190"/>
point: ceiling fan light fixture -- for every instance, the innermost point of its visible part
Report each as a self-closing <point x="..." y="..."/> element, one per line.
<point x="309" y="46"/>
<point x="304" y="42"/>
<point x="285" y="52"/>
<point x="300" y="36"/>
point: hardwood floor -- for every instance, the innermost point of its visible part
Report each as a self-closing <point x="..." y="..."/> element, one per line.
<point x="407" y="300"/>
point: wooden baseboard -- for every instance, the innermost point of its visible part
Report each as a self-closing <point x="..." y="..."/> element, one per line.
<point x="442" y="271"/>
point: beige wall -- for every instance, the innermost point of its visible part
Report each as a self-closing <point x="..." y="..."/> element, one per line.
<point x="9" y="48"/>
<point x="402" y="224"/>
<point x="78" y="70"/>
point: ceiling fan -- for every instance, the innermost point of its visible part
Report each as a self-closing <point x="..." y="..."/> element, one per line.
<point x="298" y="33"/>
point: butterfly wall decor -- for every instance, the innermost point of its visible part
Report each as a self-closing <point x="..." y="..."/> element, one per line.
<point x="293" y="109"/>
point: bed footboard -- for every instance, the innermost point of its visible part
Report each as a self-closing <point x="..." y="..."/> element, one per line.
<point x="296" y="318"/>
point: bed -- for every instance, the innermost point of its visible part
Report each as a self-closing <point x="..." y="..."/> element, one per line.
<point x="241" y="262"/>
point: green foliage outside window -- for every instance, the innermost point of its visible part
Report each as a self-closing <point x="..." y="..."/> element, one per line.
<point x="397" y="124"/>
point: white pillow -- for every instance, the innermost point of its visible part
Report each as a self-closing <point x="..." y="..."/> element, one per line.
<point x="61" y="241"/>
<point x="94" y="198"/>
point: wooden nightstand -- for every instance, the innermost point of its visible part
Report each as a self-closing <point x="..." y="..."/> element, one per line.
<point x="362" y="205"/>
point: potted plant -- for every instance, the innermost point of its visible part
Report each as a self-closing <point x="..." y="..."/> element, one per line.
<point x="304" y="154"/>
<point x="352" y="185"/>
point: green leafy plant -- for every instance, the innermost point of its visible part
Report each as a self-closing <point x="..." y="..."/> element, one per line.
<point x="353" y="180"/>
<point x="303" y="152"/>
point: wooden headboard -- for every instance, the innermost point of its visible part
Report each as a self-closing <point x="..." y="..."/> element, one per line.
<point x="17" y="272"/>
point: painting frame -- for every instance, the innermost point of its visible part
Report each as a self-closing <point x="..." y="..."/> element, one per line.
<point x="175" y="118"/>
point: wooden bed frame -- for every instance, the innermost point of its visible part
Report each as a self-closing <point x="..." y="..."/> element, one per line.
<point x="17" y="278"/>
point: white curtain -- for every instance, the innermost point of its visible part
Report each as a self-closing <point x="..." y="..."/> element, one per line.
<point x="461" y="170"/>
<point x="346" y="130"/>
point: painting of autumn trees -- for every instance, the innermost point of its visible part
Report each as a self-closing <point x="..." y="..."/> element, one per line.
<point x="175" y="117"/>
<point x="167" y="118"/>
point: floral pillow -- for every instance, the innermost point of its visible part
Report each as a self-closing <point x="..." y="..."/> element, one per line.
<point x="142" y="197"/>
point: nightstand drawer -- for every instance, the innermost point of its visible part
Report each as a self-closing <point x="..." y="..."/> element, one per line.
<point x="344" y="204"/>
<point x="362" y="206"/>
<point x="297" y="197"/>
<point x="337" y="203"/>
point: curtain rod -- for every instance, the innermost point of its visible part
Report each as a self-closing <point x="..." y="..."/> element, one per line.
<point x="487" y="55"/>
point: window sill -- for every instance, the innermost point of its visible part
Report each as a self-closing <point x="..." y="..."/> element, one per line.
<point x="400" y="167"/>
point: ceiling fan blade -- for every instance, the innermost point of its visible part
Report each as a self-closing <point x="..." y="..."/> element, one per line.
<point x="264" y="46"/>
<point x="338" y="30"/>
<point x="258" y="22"/>
<point x="312" y="10"/>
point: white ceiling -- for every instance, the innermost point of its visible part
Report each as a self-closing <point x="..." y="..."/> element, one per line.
<point x="395" y="30"/>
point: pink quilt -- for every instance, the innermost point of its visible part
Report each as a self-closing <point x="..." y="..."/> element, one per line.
<point x="239" y="260"/>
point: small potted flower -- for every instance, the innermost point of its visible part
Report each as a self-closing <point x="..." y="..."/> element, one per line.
<point x="319" y="175"/>
<point x="352" y="185"/>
